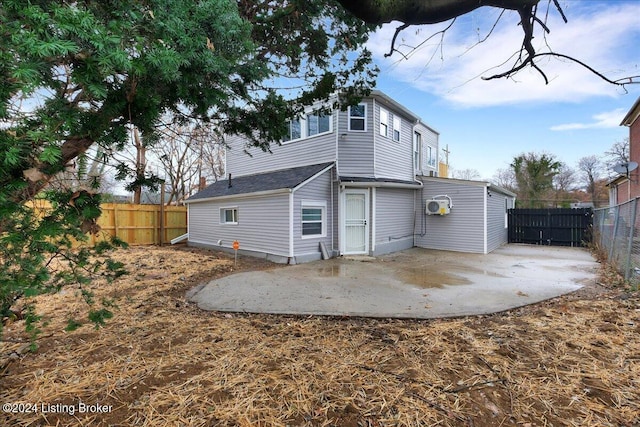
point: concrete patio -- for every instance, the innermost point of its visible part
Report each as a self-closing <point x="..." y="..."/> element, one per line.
<point x="417" y="283"/>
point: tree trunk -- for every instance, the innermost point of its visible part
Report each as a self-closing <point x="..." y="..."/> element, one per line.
<point x="141" y="164"/>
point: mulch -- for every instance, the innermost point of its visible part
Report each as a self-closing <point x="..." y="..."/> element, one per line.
<point x="161" y="361"/>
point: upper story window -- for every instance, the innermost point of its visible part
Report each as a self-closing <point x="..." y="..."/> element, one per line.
<point x="417" y="151"/>
<point x="431" y="156"/>
<point x="318" y="123"/>
<point x="396" y="128"/>
<point x="358" y="117"/>
<point x="312" y="124"/>
<point x="295" y="130"/>
<point x="384" y="122"/>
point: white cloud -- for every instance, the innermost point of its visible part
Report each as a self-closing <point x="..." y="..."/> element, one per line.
<point x="606" y="120"/>
<point x="605" y="38"/>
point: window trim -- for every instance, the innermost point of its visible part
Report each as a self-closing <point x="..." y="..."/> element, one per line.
<point x="398" y="121"/>
<point x="363" y="118"/>
<point x="314" y="204"/>
<point x="386" y="125"/>
<point x="223" y="215"/>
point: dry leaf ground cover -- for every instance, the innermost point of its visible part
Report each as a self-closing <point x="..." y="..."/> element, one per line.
<point x="160" y="361"/>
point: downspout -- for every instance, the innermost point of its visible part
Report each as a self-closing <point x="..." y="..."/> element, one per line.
<point x="415" y="178"/>
<point x="291" y="251"/>
<point x="373" y="220"/>
<point x="374" y="133"/>
<point x="337" y="130"/>
<point x="337" y="177"/>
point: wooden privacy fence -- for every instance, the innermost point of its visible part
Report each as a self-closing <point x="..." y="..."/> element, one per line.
<point x="137" y="224"/>
<point x="556" y="227"/>
<point x="142" y="224"/>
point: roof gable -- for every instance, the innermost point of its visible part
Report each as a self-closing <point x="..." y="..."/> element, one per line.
<point x="268" y="181"/>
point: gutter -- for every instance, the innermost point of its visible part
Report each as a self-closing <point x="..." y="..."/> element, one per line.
<point x="375" y="184"/>
<point x="235" y="196"/>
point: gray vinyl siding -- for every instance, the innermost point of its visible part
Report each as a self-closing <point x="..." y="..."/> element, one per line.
<point x="496" y="230"/>
<point x="394" y="218"/>
<point x="318" y="190"/>
<point x="393" y="159"/>
<point x="429" y="138"/>
<point x="463" y="229"/>
<point x="307" y="151"/>
<point x="263" y="223"/>
<point x="355" y="149"/>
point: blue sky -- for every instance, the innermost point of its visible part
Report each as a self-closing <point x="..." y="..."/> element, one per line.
<point x="487" y="123"/>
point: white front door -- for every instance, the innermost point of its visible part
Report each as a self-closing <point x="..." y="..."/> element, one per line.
<point x="356" y="222"/>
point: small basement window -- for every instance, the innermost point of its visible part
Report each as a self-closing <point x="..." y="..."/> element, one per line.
<point x="313" y="219"/>
<point x="229" y="215"/>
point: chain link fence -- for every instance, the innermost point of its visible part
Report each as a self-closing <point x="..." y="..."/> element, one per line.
<point x="616" y="231"/>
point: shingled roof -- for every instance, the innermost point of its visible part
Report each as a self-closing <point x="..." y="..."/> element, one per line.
<point x="276" y="180"/>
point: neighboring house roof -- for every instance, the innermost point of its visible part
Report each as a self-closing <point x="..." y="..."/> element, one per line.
<point x="632" y="115"/>
<point x="620" y="179"/>
<point x="268" y="181"/>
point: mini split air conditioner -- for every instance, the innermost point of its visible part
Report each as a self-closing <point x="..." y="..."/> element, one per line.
<point x="437" y="207"/>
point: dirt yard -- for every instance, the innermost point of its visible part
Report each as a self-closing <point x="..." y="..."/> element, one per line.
<point x="160" y="361"/>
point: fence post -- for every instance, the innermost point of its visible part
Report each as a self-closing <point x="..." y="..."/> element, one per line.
<point x="162" y="212"/>
<point x="632" y="228"/>
<point x="615" y="232"/>
<point x="115" y="220"/>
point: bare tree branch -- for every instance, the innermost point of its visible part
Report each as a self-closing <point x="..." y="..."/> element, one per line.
<point x="623" y="82"/>
<point x="393" y="41"/>
<point x="416" y="12"/>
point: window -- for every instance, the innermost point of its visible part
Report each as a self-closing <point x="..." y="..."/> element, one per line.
<point x="294" y="130"/>
<point x="318" y="123"/>
<point x="431" y="157"/>
<point x="417" y="151"/>
<point x="384" y="122"/>
<point x="396" y="128"/>
<point x="228" y="215"/>
<point x="313" y="216"/>
<point x="358" y="117"/>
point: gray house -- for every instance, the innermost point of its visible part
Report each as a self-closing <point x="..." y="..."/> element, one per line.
<point x="352" y="182"/>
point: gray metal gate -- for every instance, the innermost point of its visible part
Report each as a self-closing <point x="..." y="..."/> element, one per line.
<point x="556" y="227"/>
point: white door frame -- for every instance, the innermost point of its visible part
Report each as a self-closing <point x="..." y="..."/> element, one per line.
<point x="343" y="221"/>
